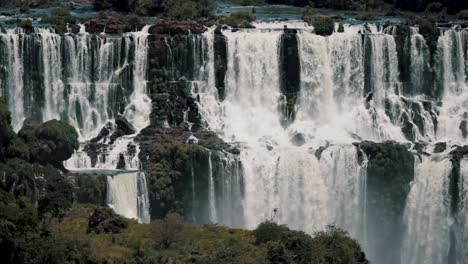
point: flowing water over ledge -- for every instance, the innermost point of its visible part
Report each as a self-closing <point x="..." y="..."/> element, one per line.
<point x="351" y="89"/>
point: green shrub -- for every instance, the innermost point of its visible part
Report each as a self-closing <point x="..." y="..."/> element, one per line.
<point x="308" y="14"/>
<point x="366" y="15"/>
<point x="188" y="9"/>
<point x="335" y="246"/>
<point x="60" y="15"/>
<point x="18" y="149"/>
<point x="240" y="20"/>
<point x="51" y="142"/>
<point x="6" y="131"/>
<point x="323" y="26"/>
<point x="463" y="14"/>
<point x="92" y="189"/>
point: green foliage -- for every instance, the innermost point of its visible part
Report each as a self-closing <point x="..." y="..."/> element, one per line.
<point x="91" y="189"/>
<point x="166" y="231"/>
<point x="60" y="15"/>
<point x="188" y="9"/>
<point x="366" y="15"/>
<point x="308" y="14"/>
<point x="289" y="246"/>
<point x="52" y="142"/>
<point x="335" y="246"/>
<point x="463" y="14"/>
<point x="19" y="178"/>
<point x="18" y="149"/>
<point x="240" y="20"/>
<point x="297" y="243"/>
<point x="6" y="131"/>
<point x="25" y="239"/>
<point x="323" y="26"/>
<point x="58" y="196"/>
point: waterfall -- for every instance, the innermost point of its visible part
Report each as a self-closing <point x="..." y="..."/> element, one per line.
<point x="419" y="59"/>
<point x="452" y="60"/>
<point x="461" y="231"/>
<point x="427" y="213"/>
<point x="307" y="171"/>
<point x="14" y="78"/>
<point x="211" y="193"/>
<point x="128" y="196"/>
<point x="139" y="109"/>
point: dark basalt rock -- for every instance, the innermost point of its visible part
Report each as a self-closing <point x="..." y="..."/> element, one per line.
<point x="111" y="25"/>
<point x="319" y="151"/>
<point x="298" y="139"/>
<point x="121" y="164"/>
<point x="104" y="133"/>
<point x="176" y="27"/>
<point x="420" y="148"/>
<point x="440" y="147"/>
<point x="220" y="66"/>
<point x="289" y="74"/>
<point x="105" y="220"/>
<point x="39" y="4"/>
<point x="123" y="125"/>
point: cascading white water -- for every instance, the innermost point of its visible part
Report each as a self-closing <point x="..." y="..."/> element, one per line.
<point x="139" y="108"/>
<point x="53" y="87"/>
<point x="332" y="88"/>
<point x="419" y="59"/>
<point x="427" y="213"/>
<point x="128" y="196"/>
<point x="211" y="192"/>
<point x="14" y="81"/>
<point x="452" y="60"/>
<point x="127" y="191"/>
<point x="461" y="231"/>
<point x="308" y="193"/>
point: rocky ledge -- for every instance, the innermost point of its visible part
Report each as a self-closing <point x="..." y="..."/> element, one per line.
<point x="115" y="25"/>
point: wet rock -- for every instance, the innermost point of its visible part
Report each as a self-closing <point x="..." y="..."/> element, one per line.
<point x="298" y="139"/>
<point x="420" y="148"/>
<point x="39" y="4"/>
<point x="220" y="66"/>
<point x="319" y="151"/>
<point x="126" y="127"/>
<point x="111" y="25"/>
<point x="464" y="126"/>
<point x="104" y="133"/>
<point x="176" y="27"/>
<point x="29" y="124"/>
<point x="105" y="220"/>
<point x="440" y="147"/>
<point x="121" y="165"/>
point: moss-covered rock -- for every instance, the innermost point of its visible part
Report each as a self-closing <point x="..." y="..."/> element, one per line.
<point x="104" y="220"/>
<point x="390" y="170"/>
<point x="51" y="142"/>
